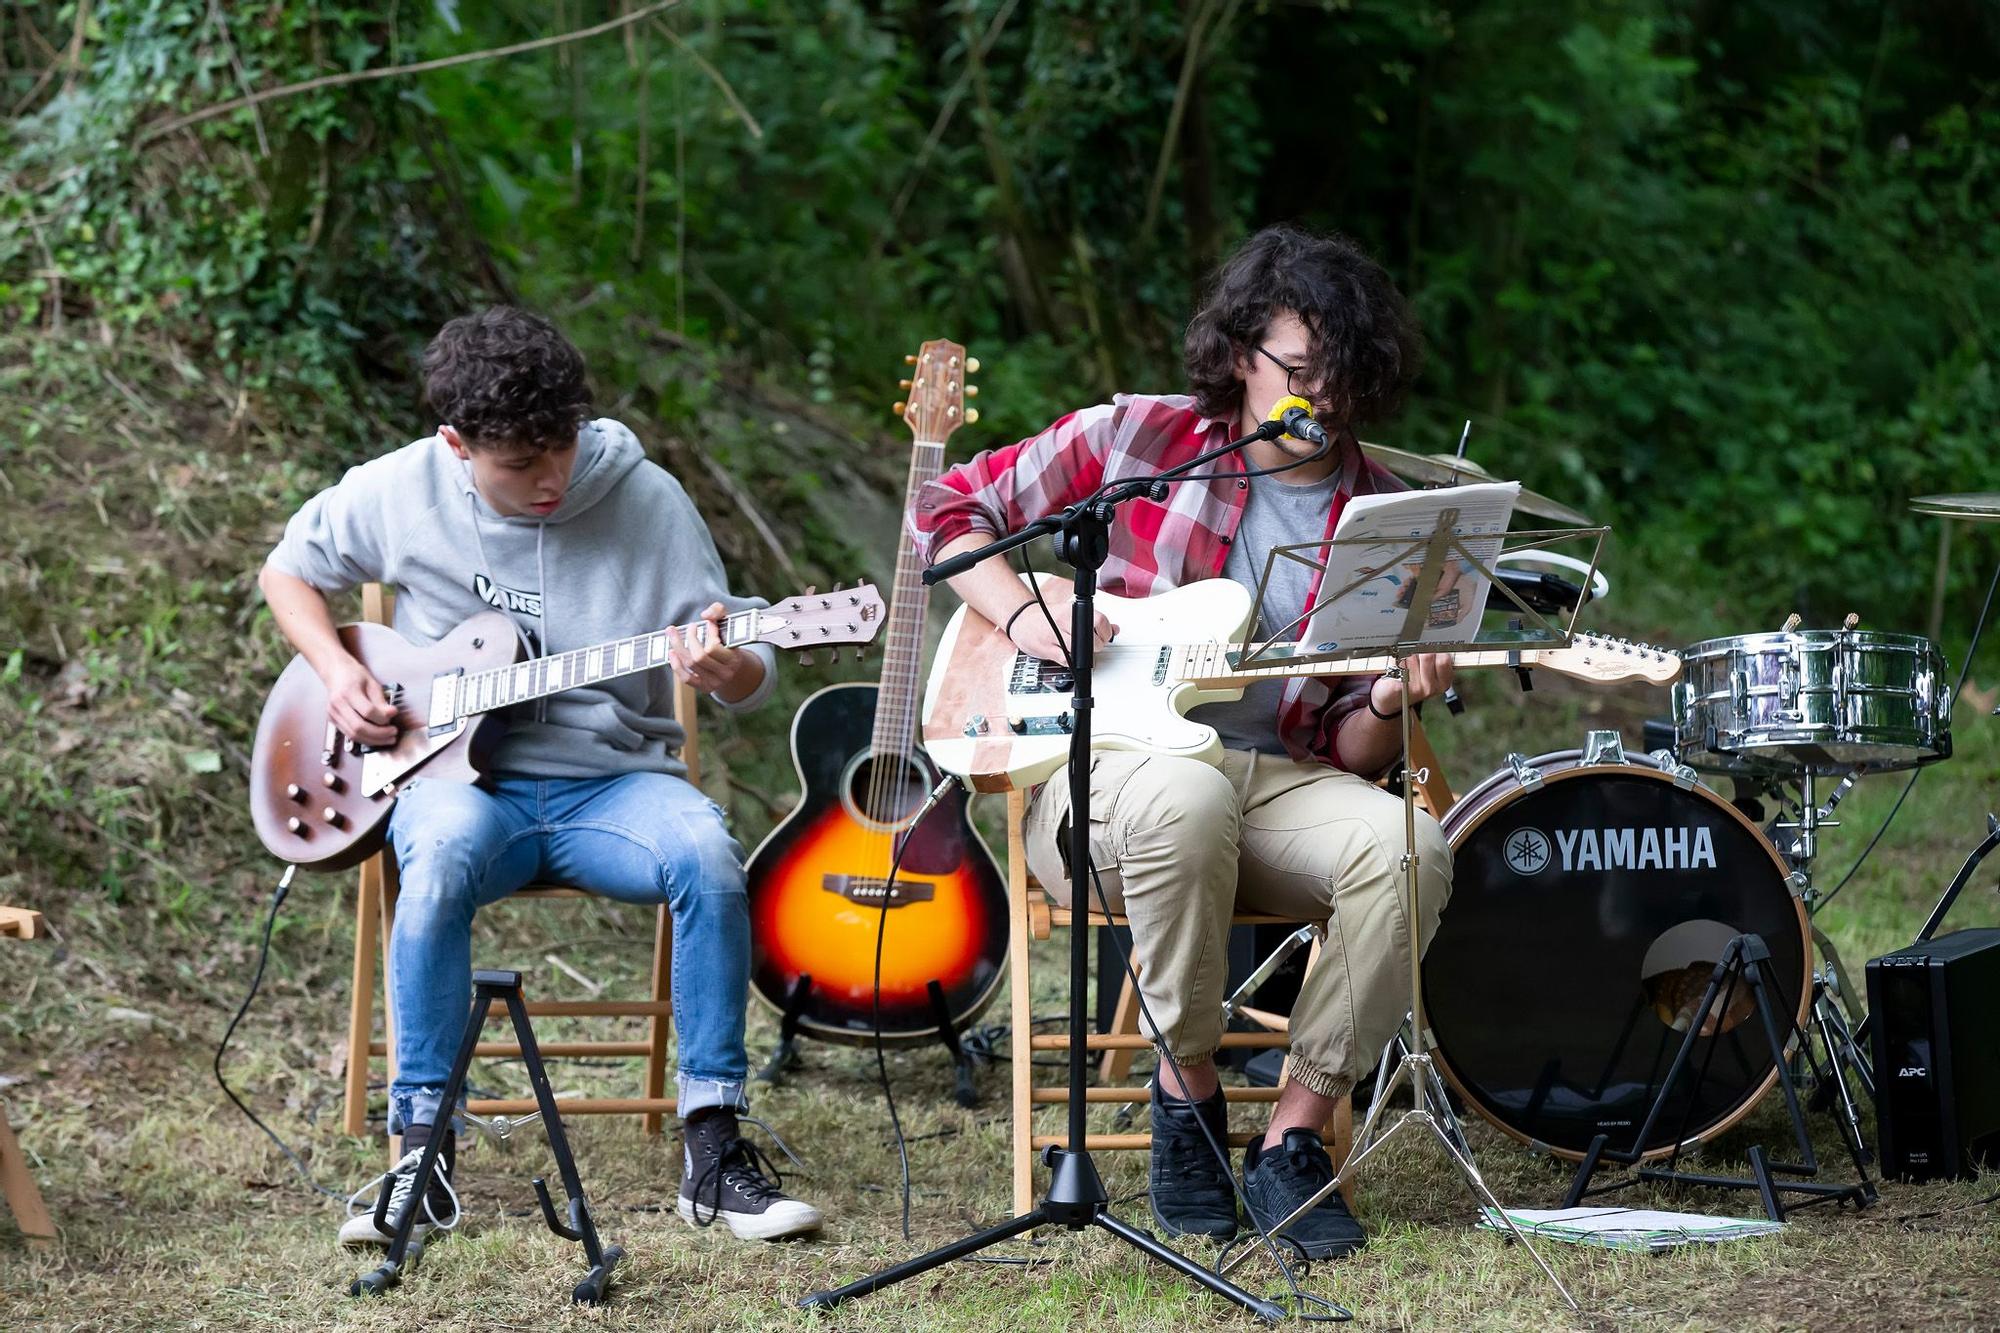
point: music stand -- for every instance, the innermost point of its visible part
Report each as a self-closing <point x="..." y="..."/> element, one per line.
<point x="1437" y="550"/>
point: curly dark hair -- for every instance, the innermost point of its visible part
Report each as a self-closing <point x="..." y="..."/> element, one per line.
<point x="506" y="379"/>
<point x="1366" y="347"/>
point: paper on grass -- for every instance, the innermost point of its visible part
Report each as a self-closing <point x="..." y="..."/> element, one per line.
<point x="1628" y="1228"/>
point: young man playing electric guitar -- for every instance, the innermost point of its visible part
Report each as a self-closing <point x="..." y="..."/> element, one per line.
<point x="1291" y="823"/>
<point x="523" y="504"/>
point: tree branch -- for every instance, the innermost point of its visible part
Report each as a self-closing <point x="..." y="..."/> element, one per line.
<point x="167" y="127"/>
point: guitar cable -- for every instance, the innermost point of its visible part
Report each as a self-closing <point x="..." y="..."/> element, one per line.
<point x="278" y="895"/>
<point x="944" y="785"/>
<point x="1333" y="1313"/>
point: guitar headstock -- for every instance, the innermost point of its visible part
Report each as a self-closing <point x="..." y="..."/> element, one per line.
<point x="822" y="619"/>
<point x="934" y="402"/>
<point x="1595" y="657"/>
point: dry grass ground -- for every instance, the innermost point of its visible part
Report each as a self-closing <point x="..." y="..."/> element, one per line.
<point x="127" y="688"/>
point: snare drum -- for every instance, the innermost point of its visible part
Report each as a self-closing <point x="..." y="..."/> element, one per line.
<point x="1590" y="903"/>
<point x="1824" y="700"/>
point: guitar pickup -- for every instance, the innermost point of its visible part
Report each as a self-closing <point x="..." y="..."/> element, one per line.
<point x="444" y="701"/>
<point x="869" y="890"/>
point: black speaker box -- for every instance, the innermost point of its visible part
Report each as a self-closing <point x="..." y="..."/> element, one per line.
<point x="1934" y="1009"/>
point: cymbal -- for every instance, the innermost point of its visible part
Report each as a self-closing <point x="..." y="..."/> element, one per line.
<point x="1450" y="470"/>
<point x="1979" y="507"/>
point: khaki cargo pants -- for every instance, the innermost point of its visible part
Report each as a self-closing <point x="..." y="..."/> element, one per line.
<point x="1180" y="845"/>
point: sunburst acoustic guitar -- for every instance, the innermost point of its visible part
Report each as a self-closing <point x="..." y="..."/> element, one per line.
<point x="817" y="882"/>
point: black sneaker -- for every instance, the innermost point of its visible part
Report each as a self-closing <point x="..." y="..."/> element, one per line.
<point x="1278" y="1180"/>
<point x="723" y="1176"/>
<point x="438" y="1204"/>
<point x="1188" y="1185"/>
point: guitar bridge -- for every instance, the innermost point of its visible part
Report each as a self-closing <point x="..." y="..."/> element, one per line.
<point x="869" y="890"/>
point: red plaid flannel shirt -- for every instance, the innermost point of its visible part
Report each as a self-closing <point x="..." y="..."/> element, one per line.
<point x="1155" y="546"/>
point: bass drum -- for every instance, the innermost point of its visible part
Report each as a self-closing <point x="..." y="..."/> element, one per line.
<point x="1589" y="905"/>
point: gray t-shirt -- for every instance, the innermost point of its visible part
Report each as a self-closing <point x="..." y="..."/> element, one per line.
<point x="1274" y="514"/>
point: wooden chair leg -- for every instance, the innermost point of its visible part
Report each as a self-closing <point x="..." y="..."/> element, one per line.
<point x="388" y="900"/>
<point x="361" y="1002"/>
<point x="1020" y="1050"/>
<point x="1117" y="1064"/>
<point x="663" y="988"/>
<point x="24" y="1197"/>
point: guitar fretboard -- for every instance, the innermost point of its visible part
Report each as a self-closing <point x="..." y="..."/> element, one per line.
<point x="903" y="638"/>
<point x="500" y="687"/>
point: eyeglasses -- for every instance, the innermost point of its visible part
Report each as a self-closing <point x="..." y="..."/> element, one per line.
<point x="1292" y="373"/>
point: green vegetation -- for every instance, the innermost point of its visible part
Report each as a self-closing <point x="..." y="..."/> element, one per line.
<point x="1722" y="275"/>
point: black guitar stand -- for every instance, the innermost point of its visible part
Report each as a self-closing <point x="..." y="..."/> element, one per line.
<point x="786" y="1057"/>
<point x="1745" y="960"/>
<point x="487" y="987"/>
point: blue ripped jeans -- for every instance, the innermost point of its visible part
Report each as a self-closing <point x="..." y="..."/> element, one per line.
<point x="637" y="837"/>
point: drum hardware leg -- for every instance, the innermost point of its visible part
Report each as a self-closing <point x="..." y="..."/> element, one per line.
<point x="1745" y="957"/>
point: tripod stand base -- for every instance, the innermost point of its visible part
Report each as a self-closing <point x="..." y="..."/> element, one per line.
<point x="1076" y="1200"/>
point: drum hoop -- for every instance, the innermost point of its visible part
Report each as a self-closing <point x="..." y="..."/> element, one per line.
<point x="1479" y="816"/>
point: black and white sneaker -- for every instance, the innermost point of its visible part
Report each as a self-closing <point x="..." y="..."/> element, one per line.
<point x="723" y="1176"/>
<point x="438" y="1205"/>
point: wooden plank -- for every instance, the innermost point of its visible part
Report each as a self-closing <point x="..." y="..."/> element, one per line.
<point x="17" y="1183"/>
<point x="21" y="923"/>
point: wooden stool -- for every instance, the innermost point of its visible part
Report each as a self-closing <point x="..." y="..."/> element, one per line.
<point x="17" y="1182"/>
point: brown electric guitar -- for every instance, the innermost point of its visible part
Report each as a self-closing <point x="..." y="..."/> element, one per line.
<point x="322" y="800"/>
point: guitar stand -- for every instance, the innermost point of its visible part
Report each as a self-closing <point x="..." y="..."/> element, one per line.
<point x="403" y="1249"/>
<point x="1745" y="959"/>
<point x="964" y="1091"/>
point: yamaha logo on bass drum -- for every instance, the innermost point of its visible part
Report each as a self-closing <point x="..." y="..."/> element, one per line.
<point x="1670" y="848"/>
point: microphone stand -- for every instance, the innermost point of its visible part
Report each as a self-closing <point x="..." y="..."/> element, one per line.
<point x="1076" y="1197"/>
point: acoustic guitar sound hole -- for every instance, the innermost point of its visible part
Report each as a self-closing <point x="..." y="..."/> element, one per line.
<point x="884" y="789"/>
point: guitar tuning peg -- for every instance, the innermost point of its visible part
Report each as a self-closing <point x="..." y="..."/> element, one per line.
<point x="909" y="358"/>
<point x="898" y="408"/>
<point x="971" y="416"/>
<point x="838" y="585"/>
<point x="972" y="391"/>
<point x="811" y="589"/>
<point x="859" y="653"/>
<point x="972" y="365"/>
<point x="805" y="659"/>
<point x="902" y="384"/>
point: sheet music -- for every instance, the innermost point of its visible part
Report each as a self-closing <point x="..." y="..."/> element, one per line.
<point x="1371" y="615"/>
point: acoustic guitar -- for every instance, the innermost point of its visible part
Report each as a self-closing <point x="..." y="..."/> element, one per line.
<point x="321" y="800"/>
<point x="817" y="883"/>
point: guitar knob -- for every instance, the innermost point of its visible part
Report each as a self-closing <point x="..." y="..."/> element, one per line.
<point x="333" y="817"/>
<point x="294" y="792"/>
<point x="331" y="780"/>
<point x="296" y="825"/>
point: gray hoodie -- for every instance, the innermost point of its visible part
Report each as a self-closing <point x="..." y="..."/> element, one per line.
<point x="624" y="553"/>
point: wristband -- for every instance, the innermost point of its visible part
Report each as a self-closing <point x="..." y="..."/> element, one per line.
<point x="1386" y="717"/>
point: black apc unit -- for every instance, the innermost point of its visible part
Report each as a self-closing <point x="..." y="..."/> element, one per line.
<point x="1935" y="1013"/>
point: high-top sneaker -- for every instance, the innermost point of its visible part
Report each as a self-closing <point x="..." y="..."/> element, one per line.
<point x="1277" y="1180"/>
<point x="723" y="1176"/>
<point x="437" y="1207"/>
<point x="1187" y="1182"/>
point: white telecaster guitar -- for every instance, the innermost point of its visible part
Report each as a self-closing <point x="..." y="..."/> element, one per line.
<point x="1000" y="719"/>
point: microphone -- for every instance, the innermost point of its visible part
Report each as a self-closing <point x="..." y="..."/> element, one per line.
<point x="1295" y="414"/>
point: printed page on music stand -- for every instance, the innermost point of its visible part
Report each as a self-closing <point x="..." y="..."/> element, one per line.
<point x="1380" y="578"/>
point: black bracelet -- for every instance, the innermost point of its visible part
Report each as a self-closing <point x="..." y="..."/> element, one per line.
<point x="1007" y="630"/>
<point x="1386" y="717"/>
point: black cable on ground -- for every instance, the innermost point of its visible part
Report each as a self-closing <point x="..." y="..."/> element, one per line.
<point x="256" y="981"/>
